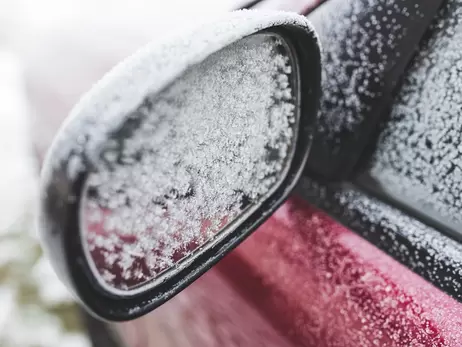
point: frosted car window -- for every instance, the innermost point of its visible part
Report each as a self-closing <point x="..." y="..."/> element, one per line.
<point x="367" y="46"/>
<point x="418" y="160"/>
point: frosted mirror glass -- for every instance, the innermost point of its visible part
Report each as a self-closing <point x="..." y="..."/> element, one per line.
<point x="190" y="163"/>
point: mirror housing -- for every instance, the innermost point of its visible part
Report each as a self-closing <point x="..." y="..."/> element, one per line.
<point x="105" y="110"/>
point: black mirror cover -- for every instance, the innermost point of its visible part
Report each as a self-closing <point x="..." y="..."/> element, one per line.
<point x="105" y="108"/>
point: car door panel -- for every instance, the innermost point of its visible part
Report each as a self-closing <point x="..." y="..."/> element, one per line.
<point x="315" y="283"/>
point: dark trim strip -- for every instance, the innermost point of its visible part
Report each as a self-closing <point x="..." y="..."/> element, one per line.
<point x="424" y="250"/>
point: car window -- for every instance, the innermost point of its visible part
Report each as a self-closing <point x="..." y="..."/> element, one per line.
<point x="418" y="161"/>
<point x="367" y="46"/>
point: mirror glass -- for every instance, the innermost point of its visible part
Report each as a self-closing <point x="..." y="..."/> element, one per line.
<point x="189" y="163"/>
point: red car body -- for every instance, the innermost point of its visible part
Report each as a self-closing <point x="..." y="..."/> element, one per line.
<point x="303" y="279"/>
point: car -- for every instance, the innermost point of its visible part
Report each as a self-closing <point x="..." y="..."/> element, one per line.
<point x="367" y="250"/>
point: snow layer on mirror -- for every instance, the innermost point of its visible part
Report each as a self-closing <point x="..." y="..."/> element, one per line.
<point x="189" y="161"/>
<point x="148" y="70"/>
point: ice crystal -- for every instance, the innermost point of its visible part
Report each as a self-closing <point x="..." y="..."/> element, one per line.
<point x="189" y="161"/>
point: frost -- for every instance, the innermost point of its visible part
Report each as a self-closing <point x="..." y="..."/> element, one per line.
<point x="356" y="57"/>
<point x="389" y="221"/>
<point x="189" y="161"/>
<point x="419" y="152"/>
<point x="147" y="71"/>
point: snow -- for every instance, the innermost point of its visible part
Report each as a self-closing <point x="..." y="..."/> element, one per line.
<point x="347" y="95"/>
<point x="103" y="111"/>
<point x="208" y="148"/>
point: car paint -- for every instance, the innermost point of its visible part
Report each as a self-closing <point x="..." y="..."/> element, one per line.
<point x="304" y="280"/>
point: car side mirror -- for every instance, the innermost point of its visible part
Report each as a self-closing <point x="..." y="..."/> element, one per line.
<point x="176" y="156"/>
